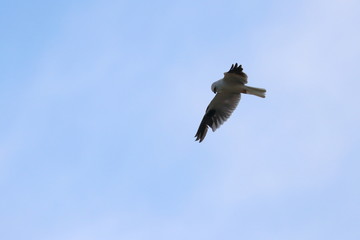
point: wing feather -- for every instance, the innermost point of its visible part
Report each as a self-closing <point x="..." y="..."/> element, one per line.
<point x="218" y="111"/>
<point x="236" y="74"/>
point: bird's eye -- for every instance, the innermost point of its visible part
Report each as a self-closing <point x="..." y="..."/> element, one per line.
<point x="215" y="90"/>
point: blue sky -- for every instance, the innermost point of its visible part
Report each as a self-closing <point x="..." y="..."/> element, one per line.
<point x="100" y="101"/>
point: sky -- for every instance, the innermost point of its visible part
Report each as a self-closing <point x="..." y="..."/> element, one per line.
<point x="100" y="102"/>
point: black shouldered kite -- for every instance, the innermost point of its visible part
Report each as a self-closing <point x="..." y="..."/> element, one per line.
<point x="227" y="90"/>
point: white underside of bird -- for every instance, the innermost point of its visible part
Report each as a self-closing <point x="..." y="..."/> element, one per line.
<point x="228" y="91"/>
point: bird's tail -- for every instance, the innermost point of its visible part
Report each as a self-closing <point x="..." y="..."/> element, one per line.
<point x="260" y="92"/>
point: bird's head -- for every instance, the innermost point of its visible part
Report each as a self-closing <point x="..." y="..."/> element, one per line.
<point x="214" y="87"/>
<point x="217" y="86"/>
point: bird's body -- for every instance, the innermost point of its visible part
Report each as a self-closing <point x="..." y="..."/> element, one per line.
<point x="228" y="91"/>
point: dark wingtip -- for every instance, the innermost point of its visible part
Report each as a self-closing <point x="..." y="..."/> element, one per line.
<point x="232" y="67"/>
<point x="205" y="123"/>
<point x="201" y="133"/>
<point x="236" y="68"/>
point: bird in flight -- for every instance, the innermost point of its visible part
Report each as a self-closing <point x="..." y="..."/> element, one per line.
<point x="228" y="91"/>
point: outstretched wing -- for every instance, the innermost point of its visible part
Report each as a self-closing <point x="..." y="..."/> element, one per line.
<point x="218" y="111"/>
<point x="236" y="74"/>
